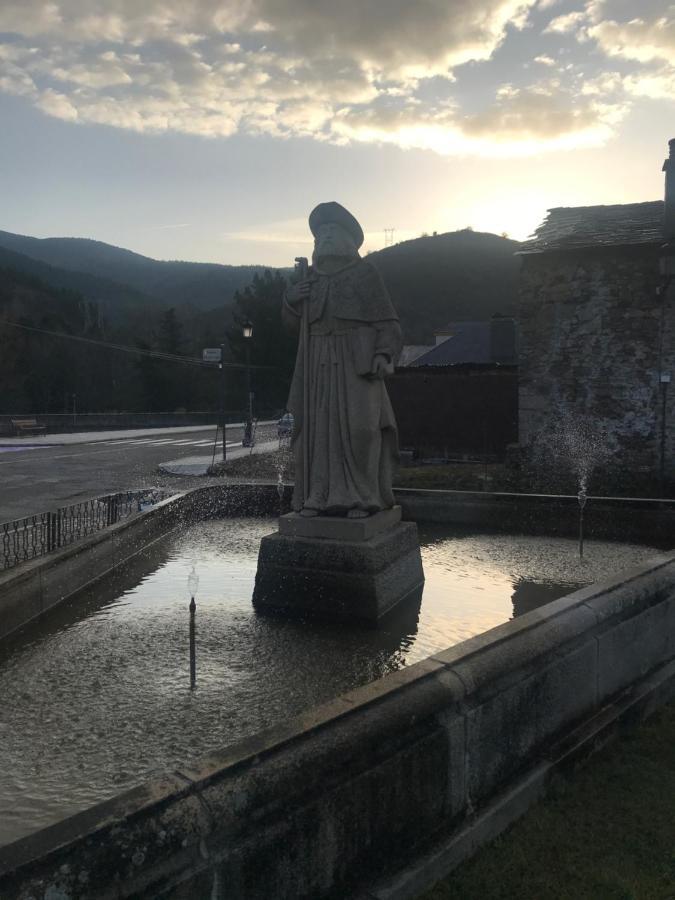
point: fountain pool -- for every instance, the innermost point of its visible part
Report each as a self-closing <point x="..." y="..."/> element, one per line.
<point x="96" y="695"/>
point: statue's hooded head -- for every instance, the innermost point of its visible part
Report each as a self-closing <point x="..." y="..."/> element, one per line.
<point x="337" y="234"/>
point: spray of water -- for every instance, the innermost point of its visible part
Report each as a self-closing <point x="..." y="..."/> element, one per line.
<point x="575" y="445"/>
<point x="281" y="464"/>
<point x="572" y="449"/>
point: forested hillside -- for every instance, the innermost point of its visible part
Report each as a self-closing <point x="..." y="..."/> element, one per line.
<point x="199" y="285"/>
<point x="456" y="276"/>
<point x="52" y="346"/>
<point x="115" y="302"/>
<point x="111" y="295"/>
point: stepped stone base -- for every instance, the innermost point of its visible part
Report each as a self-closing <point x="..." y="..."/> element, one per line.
<point x="339" y="527"/>
<point x="338" y="578"/>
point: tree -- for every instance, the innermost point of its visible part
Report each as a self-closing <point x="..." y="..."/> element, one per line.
<point x="271" y="345"/>
<point x="170" y="335"/>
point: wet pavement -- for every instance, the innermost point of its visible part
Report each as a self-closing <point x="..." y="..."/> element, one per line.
<point x="38" y="477"/>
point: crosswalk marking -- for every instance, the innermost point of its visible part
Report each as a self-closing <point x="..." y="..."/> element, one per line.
<point x="176" y="442"/>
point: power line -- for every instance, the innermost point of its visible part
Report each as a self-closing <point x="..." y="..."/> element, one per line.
<point x="154" y="354"/>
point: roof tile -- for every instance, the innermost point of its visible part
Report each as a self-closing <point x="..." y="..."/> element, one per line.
<point x="570" y="227"/>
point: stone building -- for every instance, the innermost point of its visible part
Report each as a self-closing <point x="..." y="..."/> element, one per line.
<point x="597" y="329"/>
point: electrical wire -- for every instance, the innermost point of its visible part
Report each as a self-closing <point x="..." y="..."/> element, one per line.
<point x="140" y="351"/>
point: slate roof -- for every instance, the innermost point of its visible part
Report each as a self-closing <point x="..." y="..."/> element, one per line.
<point x="466" y="342"/>
<point x="571" y="227"/>
<point x="410" y="352"/>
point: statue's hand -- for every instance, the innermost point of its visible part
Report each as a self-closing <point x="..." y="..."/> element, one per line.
<point x="296" y="293"/>
<point x="381" y="366"/>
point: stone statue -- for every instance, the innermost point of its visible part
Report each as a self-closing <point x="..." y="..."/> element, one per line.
<point x="345" y="440"/>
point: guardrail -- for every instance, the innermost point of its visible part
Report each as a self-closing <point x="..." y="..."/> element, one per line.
<point x="37" y="535"/>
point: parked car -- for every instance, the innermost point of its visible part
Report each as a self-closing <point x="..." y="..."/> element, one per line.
<point x="285" y="425"/>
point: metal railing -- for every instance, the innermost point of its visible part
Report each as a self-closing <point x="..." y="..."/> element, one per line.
<point x="33" y="536"/>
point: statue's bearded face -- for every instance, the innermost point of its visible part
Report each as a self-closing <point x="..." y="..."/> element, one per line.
<point x="332" y="239"/>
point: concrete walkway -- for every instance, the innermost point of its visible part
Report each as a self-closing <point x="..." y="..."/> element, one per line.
<point x="88" y="437"/>
<point x="199" y="465"/>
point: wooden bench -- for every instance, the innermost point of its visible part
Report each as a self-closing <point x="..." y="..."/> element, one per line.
<point x="27" y="426"/>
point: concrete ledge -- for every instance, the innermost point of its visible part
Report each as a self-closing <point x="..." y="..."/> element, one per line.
<point x="431" y="760"/>
<point x="627" y="711"/>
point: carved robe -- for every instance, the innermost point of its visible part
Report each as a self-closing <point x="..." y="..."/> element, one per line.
<point x="353" y="441"/>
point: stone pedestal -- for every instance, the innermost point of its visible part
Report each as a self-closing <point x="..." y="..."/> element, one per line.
<point x="338" y="568"/>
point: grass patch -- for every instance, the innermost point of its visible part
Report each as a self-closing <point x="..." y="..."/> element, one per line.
<point x="454" y="476"/>
<point x="607" y="833"/>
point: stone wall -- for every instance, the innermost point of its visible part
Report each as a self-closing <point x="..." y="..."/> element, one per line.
<point x="595" y="336"/>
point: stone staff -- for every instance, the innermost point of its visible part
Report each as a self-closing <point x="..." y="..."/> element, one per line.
<point x="302" y="270"/>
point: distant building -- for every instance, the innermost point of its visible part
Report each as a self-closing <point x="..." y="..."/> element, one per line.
<point x="597" y="326"/>
<point x="458" y="398"/>
<point x="491" y="342"/>
<point x="411" y="352"/>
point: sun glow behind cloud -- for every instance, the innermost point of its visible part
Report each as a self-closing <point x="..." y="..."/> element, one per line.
<point x="387" y="71"/>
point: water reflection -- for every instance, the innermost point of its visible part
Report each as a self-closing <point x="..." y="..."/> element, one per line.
<point x="529" y="595"/>
<point x="96" y="696"/>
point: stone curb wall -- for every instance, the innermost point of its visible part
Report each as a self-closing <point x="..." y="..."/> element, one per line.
<point x="323" y="804"/>
<point x="612" y="518"/>
<point x="32" y="588"/>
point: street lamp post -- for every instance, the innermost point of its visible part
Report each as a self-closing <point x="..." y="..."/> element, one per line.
<point x="247" y="330"/>
<point x="222" y="398"/>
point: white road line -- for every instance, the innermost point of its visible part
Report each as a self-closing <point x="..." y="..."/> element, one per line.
<point x="117" y="441"/>
<point x="17" y="449"/>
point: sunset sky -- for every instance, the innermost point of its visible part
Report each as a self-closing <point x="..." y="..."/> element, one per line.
<point x="207" y="130"/>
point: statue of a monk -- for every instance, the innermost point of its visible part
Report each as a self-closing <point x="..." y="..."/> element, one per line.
<point x="354" y="337"/>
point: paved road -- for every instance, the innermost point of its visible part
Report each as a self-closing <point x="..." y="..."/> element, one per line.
<point x="41" y="478"/>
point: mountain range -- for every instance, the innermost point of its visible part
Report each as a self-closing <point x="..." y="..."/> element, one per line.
<point x="119" y="278"/>
<point x="433" y="280"/>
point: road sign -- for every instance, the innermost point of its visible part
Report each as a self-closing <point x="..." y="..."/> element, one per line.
<point x="211" y="354"/>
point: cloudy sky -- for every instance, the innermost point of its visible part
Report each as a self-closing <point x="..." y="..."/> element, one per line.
<point x="207" y="129"/>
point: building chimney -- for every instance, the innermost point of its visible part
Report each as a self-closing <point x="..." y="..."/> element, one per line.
<point x="669" y="212"/>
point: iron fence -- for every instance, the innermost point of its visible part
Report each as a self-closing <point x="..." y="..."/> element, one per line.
<point x="42" y="533"/>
